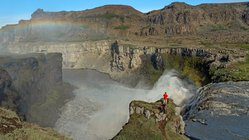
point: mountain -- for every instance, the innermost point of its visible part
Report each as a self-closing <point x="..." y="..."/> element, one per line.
<point x="212" y="22"/>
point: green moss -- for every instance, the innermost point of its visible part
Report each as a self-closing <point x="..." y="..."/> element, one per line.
<point x="235" y="72"/>
<point x="171" y="134"/>
<point x="217" y="27"/>
<point x="188" y="67"/>
<point x="206" y="44"/>
<point x="84" y="26"/>
<point x="244" y="28"/>
<point x="141" y="128"/>
<point x="122" y="19"/>
<point x="121" y="27"/>
<point x="108" y="16"/>
<point x="23" y="130"/>
<point x="244" y="46"/>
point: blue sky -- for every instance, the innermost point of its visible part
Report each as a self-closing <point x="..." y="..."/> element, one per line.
<point x="11" y="11"/>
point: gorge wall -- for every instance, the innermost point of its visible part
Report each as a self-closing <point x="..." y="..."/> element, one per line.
<point x="126" y="61"/>
<point x="32" y="84"/>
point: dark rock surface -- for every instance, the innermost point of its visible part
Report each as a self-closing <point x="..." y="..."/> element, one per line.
<point x="37" y="82"/>
<point x="8" y="94"/>
<point x="219" y="111"/>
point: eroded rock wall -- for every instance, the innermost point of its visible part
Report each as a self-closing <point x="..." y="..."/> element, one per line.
<point x="37" y="80"/>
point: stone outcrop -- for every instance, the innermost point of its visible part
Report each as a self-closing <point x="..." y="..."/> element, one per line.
<point x="11" y="127"/>
<point x="217" y="109"/>
<point x="33" y="85"/>
<point x="148" y="117"/>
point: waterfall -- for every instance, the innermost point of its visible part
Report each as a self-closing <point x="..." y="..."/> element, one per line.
<point x="101" y="106"/>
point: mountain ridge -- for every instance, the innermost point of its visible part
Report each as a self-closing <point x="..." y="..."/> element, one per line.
<point x="125" y="22"/>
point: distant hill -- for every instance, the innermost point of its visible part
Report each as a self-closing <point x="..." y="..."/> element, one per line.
<point x="214" y="22"/>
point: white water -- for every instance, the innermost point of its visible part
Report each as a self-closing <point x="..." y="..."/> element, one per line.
<point x="101" y="106"/>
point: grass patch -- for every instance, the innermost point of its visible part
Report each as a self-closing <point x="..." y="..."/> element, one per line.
<point x="122" y="19"/>
<point x="206" y="44"/>
<point x="121" y="27"/>
<point x="244" y="46"/>
<point x="141" y="128"/>
<point x="188" y="67"/>
<point x="217" y="27"/>
<point x="83" y="26"/>
<point x="108" y="16"/>
<point x="235" y="72"/>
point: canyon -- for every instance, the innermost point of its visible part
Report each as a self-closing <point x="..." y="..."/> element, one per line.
<point x="93" y="64"/>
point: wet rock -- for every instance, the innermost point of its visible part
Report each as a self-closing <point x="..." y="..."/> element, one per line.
<point x="182" y="125"/>
<point x="217" y="109"/>
<point x="33" y="78"/>
<point x="157" y="61"/>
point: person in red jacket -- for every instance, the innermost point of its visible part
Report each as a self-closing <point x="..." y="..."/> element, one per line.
<point x="165" y="101"/>
<point x="165" y="98"/>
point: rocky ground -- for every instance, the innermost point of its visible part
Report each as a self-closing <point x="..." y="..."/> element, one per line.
<point x="12" y="128"/>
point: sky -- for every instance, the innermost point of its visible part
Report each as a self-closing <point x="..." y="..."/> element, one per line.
<point x="11" y="11"/>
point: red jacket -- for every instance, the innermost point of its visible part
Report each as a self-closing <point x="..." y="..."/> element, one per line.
<point x="165" y="96"/>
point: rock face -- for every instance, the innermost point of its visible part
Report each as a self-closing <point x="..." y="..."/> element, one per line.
<point x="33" y="83"/>
<point x="91" y="55"/>
<point x="11" y="127"/>
<point x="8" y="94"/>
<point x="148" y="121"/>
<point x="125" y="61"/>
<point x="219" y="111"/>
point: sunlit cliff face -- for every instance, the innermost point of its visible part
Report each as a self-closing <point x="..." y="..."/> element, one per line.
<point x="100" y="107"/>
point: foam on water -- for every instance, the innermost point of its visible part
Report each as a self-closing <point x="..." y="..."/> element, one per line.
<point x="100" y="107"/>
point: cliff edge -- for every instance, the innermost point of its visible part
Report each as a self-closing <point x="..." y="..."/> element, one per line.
<point x="11" y="127"/>
<point x="148" y="121"/>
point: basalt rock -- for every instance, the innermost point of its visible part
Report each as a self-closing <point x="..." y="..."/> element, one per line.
<point x="32" y="84"/>
<point x="8" y="95"/>
<point x="217" y="109"/>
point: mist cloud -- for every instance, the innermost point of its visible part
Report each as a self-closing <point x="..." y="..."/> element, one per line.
<point x="101" y="106"/>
